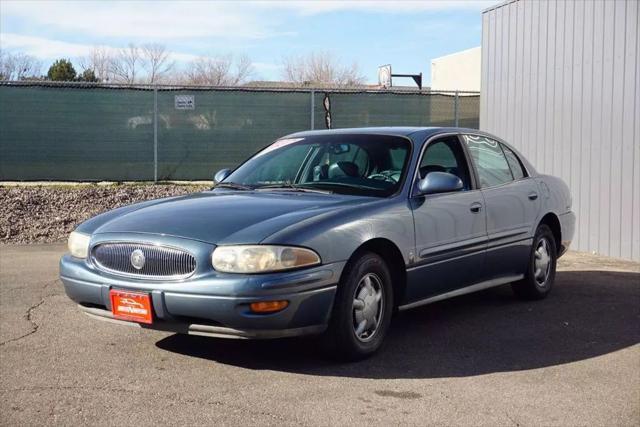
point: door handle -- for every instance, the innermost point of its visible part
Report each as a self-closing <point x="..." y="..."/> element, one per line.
<point x="475" y="207"/>
<point x="533" y="196"/>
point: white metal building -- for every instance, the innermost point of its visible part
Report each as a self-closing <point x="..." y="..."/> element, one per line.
<point x="561" y="81"/>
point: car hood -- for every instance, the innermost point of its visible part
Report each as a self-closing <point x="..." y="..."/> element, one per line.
<point x="226" y="217"/>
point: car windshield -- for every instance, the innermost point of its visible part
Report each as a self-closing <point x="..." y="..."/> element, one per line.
<point x="369" y="165"/>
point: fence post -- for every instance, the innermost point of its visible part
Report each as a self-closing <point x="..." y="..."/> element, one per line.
<point x="155" y="133"/>
<point x="456" y="109"/>
<point x="313" y="109"/>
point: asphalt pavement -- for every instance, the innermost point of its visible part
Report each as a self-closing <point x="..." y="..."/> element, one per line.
<point x="482" y="359"/>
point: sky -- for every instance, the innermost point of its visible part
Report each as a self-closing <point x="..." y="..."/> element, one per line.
<point x="405" y="34"/>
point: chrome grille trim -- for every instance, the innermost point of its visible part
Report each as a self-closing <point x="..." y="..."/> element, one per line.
<point x="162" y="262"/>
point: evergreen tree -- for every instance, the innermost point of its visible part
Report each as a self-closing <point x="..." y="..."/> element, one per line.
<point x="62" y="70"/>
<point x="88" y="76"/>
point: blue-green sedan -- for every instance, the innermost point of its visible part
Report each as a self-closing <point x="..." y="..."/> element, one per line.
<point x="328" y="233"/>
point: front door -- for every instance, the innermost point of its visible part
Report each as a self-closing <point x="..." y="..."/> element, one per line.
<point x="450" y="228"/>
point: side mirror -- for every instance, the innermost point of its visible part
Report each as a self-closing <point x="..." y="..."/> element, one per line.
<point x="439" y="182"/>
<point x="221" y="175"/>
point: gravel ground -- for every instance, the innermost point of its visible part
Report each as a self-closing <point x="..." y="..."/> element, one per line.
<point x="44" y="214"/>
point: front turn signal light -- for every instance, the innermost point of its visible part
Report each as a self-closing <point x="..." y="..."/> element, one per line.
<point x="263" y="307"/>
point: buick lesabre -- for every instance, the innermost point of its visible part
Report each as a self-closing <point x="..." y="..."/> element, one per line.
<point x="327" y="233"/>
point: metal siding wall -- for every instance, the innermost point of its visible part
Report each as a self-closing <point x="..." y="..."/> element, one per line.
<point x="561" y="81"/>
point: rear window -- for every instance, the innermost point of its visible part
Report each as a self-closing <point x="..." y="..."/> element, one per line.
<point x="514" y="163"/>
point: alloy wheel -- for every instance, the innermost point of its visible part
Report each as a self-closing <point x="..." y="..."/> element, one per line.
<point x="368" y="307"/>
<point x="542" y="262"/>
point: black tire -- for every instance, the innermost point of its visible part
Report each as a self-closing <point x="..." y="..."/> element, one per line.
<point x="537" y="284"/>
<point x="341" y="340"/>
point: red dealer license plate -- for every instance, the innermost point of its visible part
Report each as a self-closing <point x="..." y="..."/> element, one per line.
<point x="131" y="306"/>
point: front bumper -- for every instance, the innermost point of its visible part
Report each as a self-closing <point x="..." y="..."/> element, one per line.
<point x="214" y="304"/>
<point x="205" y="330"/>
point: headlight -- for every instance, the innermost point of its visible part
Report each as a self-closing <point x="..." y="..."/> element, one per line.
<point x="78" y="244"/>
<point x="261" y="258"/>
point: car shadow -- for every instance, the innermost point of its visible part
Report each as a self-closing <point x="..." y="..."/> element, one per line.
<point x="588" y="314"/>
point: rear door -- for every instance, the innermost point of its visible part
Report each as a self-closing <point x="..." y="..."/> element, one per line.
<point x="450" y="228"/>
<point x="512" y="205"/>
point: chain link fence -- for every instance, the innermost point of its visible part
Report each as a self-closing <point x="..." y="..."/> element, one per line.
<point x="94" y="132"/>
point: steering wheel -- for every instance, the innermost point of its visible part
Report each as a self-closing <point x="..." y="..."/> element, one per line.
<point x="382" y="176"/>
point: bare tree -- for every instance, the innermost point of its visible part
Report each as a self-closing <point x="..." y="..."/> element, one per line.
<point x="321" y="68"/>
<point x="126" y="64"/>
<point x="243" y="69"/>
<point x="7" y="66"/>
<point x="100" y="62"/>
<point x="19" y="66"/>
<point x="156" y="60"/>
<point x="222" y="70"/>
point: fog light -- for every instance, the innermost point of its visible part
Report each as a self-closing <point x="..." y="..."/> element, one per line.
<point x="268" y="306"/>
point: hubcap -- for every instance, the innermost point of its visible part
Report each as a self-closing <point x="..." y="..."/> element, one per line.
<point x="542" y="262"/>
<point x="368" y="307"/>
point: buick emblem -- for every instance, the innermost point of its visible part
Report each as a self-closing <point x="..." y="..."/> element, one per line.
<point x="137" y="259"/>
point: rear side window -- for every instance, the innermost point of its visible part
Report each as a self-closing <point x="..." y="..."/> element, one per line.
<point x="490" y="161"/>
<point x="516" y="167"/>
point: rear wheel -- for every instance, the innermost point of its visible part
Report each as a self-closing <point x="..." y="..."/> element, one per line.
<point x="362" y="309"/>
<point x="541" y="271"/>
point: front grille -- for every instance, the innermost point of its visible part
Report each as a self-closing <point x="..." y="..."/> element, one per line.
<point x="159" y="261"/>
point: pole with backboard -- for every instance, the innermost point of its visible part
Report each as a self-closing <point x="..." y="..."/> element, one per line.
<point x="385" y="77"/>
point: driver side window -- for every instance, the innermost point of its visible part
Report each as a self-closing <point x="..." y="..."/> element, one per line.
<point x="445" y="155"/>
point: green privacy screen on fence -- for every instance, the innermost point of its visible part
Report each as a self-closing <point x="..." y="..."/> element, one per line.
<point x="223" y="129"/>
<point x="80" y="133"/>
<point x="74" y="134"/>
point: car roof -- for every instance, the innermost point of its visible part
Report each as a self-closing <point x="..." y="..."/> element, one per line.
<point x="406" y="131"/>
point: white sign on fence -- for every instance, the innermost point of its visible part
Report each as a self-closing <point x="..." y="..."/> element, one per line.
<point x="185" y="102"/>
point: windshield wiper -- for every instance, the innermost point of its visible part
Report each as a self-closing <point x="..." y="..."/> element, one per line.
<point x="293" y="187"/>
<point x="350" y="185"/>
<point x="233" y="185"/>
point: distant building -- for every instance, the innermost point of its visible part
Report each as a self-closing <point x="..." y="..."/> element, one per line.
<point x="457" y="71"/>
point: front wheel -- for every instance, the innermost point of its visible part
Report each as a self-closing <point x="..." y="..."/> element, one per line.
<point x="362" y="309"/>
<point x="541" y="272"/>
